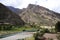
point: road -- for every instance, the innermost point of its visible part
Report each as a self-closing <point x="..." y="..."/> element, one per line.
<point x="18" y="36"/>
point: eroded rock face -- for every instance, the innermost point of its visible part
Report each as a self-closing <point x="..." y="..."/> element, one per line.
<point x="39" y="15"/>
<point x="7" y="16"/>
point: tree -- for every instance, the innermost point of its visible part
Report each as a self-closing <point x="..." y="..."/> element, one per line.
<point x="57" y="26"/>
<point x="39" y="35"/>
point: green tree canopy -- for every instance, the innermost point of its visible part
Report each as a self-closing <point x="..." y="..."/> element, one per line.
<point x="57" y="26"/>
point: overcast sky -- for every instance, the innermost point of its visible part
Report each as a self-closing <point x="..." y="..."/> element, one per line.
<point x="50" y="4"/>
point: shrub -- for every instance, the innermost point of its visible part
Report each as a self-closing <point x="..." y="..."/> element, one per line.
<point x="46" y="31"/>
<point x="58" y="36"/>
<point x="57" y="26"/>
<point x="39" y="35"/>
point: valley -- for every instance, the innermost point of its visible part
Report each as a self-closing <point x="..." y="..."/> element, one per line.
<point x="34" y="18"/>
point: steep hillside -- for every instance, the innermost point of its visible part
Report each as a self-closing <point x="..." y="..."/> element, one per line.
<point x="16" y="10"/>
<point x="9" y="17"/>
<point x="39" y="15"/>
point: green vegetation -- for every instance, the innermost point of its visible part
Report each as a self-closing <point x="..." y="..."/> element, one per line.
<point x="58" y="36"/>
<point x="42" y="31"/>
<point x="57" y="26"/>
<point x="9" y="29"/>
<point x="29" y="38"/>
<point x="39" y="35"/>
<point x="5" y="27"/>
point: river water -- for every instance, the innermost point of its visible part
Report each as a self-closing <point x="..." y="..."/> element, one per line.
<point x="17" y="36"/>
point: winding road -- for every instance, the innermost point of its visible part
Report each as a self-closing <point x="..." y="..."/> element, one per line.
<point x="18" y="36"/>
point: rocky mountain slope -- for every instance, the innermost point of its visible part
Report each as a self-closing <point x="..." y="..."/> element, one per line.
<point x="9" y="17"/>
<point x="16" y="10"/>
<point x="33" y="14"/>
<point x="39" y="15"/>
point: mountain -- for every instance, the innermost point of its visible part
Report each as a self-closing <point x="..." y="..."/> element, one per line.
<point x="16" y="10"/>
<point x="9" y="17"/>
<point x="39" y="15"/>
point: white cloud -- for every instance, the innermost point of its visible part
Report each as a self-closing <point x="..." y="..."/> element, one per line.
<point x="51" y="4"/>
<point x="25" y="3"/>
<point x="13" y="3"/>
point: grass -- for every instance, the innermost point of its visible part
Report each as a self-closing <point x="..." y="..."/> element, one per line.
<point x="7" y="32"/>
<point x="23" y="28"/>
<point x="3" y="33"/>
<point x="15" y="30"/>
<point x="29" y="38"/>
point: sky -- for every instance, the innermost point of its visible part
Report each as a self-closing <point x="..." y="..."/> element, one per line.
<point x="50" y="4"/>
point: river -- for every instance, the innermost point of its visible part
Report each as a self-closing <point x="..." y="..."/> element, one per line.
<point x="17" y="36"/>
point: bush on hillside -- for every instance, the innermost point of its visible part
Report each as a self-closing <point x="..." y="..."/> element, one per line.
<point x="57" y="26"/>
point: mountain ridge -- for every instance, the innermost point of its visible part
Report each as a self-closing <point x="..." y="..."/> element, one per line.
<point x="39" y="15"/>
<point x="8" y="16"/>
<point x="35" y="14"/>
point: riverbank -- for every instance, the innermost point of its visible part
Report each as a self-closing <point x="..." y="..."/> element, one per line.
<point x="2" y="32"/>
<point x="17" y="36"/>
<point x="14" y="31"/>
<point x="30" y="38"/>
